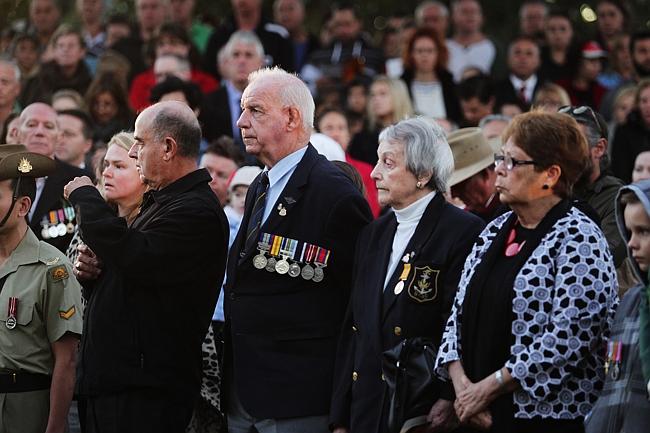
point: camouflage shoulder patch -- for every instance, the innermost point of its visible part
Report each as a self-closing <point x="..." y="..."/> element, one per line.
<point x="67" y="314"/>
<point x="59" y="273"/>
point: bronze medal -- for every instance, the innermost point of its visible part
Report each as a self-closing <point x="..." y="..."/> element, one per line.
<point x="259" y="261"/>
<point x="282" y="266"/>
<point x="270" y="264"/>
<point x="294" y="270"/>
<point x="69" y="228"/>
<point x="307" y="272"/>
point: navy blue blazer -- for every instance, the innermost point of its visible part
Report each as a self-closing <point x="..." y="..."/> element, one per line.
<point x="282" y="332"/>
<point x="378" y="320"/>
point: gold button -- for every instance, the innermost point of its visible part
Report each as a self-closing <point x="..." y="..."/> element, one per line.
<point x="355" y="376"/>
<point x="398" y="331"/>
<point x="354" y="328"/>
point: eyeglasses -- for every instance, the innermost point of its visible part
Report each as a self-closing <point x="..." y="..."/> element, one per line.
<point x="511" y="162"/>
<point x="579" y="113"/>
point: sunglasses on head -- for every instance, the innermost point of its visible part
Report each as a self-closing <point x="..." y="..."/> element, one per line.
<point x="583" y="112"/>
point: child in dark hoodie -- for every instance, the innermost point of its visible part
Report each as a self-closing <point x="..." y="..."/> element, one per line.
<point x="623" y="405"/>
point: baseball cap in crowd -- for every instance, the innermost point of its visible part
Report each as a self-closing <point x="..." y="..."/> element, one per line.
<point x="472" y="153"/>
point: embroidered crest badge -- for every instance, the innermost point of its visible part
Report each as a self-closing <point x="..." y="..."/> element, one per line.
<point x="59" y="273"/>
<point x="423" y="285"/>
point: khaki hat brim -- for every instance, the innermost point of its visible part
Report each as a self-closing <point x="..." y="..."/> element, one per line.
<point x="466" y="172"/>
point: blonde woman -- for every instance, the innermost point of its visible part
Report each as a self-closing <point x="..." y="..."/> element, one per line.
<point x="388" y="103"/>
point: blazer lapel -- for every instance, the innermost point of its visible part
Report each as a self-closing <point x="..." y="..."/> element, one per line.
<point x="423" y="232"/>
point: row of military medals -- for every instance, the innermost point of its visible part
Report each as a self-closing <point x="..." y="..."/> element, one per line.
<point x="614" y="358"/>
<point x="58" y="223"/>
<point x="309" y="265"/>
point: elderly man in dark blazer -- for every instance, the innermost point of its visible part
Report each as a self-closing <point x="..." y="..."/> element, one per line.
<point x="52" y="218"/>
<point x="290" y="267"/>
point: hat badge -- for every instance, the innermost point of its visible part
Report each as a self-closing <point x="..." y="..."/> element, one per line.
<point x="24" y="166"/>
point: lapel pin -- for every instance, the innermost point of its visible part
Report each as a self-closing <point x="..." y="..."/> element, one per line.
<point x="290" y="200"/>
<point x="282" y="210"/>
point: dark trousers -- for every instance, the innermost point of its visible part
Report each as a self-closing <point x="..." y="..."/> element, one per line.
<point x="139" y="411"/>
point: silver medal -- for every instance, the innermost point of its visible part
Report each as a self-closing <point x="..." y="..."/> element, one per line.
<point x="270" y="264"/>
<point x="259" y="261"/>
<point x="307" y="272"/>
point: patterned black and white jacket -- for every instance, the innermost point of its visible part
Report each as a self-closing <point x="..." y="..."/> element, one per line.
<point x="564" y="300"/>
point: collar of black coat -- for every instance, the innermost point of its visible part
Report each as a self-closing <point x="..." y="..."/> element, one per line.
<point x="184" y="184"/>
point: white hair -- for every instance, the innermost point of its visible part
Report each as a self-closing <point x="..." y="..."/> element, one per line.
<point x="243" y="37"/>
<point x="12" y="65"/>
<point x="293" y="92"/>
<point x="419" y="11"/>
<point x="426" y="149"/>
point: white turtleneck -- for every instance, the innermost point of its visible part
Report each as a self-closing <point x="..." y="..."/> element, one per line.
<point x="407" y="221"/>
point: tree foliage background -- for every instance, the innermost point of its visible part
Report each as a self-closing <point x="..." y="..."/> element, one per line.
<point x="501" y="16"/>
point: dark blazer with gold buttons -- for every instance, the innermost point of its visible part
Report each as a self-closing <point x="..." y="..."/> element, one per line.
<point x="282" y="332"/>
<point x="378" y="320"/>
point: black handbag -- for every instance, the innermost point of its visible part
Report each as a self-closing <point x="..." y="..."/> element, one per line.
<point x="411" y="386"/>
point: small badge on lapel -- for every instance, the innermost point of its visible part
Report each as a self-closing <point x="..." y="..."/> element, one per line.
<point x="282" y="210"/>
<point x="423" y="285"/>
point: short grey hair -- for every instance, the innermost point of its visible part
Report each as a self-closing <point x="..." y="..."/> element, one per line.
<point x="494" y="118"/>
<point x="7" y="62"/>
<point x="293" y="92"/>
<point x="419" y="11"/>
<point x="243" y="37"/>
<point x="426" y="149"/>
<point x="186" y="130"/>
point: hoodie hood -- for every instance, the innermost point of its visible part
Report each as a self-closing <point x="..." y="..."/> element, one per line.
<point x="642" y="191"/>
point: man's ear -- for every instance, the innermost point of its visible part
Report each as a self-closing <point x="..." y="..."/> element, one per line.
<point x="295" y="119"/>
<point x="23" y="205"/>
<point x="599" y="148"/>
<point x="170" y="148"/>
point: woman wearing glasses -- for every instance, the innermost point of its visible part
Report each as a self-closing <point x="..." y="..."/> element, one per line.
<point x="524" y="343"/>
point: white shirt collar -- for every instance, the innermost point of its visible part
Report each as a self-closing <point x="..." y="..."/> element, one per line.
<point x="415" y="210"/>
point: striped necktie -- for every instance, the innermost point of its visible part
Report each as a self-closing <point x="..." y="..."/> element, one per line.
<point x="255" y="220"/>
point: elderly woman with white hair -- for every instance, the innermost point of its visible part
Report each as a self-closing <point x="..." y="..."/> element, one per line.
<point x="407" y="267"/>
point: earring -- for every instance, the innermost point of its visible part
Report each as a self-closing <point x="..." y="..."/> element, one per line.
<point x="545" y="186"/>
<point x="418" y="185"/>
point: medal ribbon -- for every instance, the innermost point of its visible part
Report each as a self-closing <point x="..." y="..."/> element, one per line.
<point x="293" y="247"/>
<point x="53" y="219"/>
<point x="619" y="350"/>
<point x="61" y="215"/>
<point x="311" y="253"/>
<point x="277" y="240"/>
<point x="405" y="271"/>
<point x="13" y="307"/>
